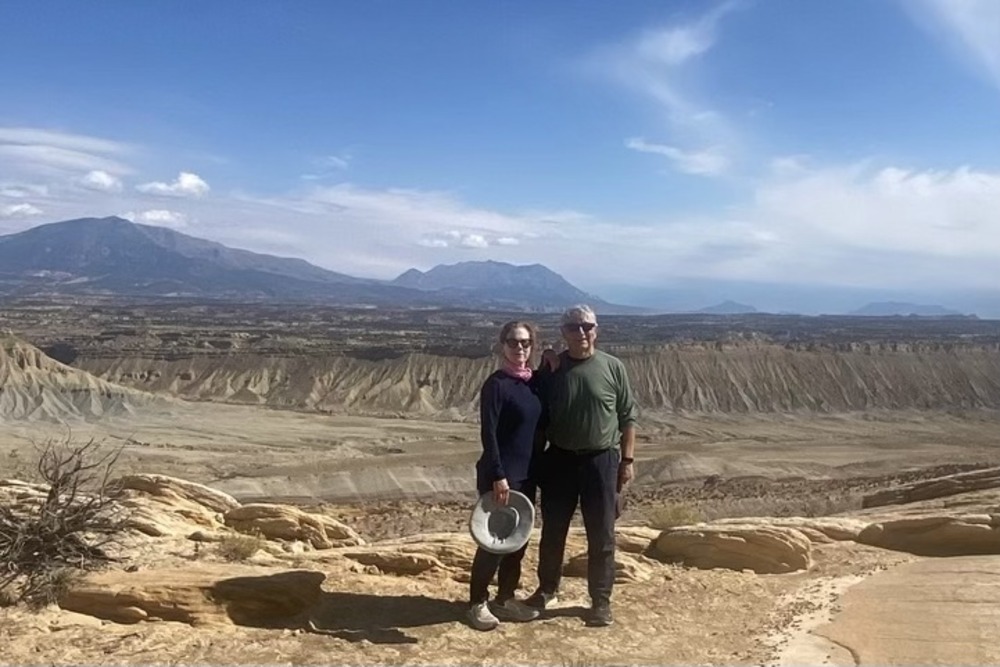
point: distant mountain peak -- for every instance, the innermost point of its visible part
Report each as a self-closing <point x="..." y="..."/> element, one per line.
<point x="503" y="283"/>
<point x="891" y="308"/>
<point x="113" y="256"/>
<point x="728" y="307"/>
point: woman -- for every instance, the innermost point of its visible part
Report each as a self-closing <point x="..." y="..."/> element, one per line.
<point x="509" y="412"/>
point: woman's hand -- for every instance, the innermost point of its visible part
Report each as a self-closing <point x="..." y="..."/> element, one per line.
<point x="501" y="491"/>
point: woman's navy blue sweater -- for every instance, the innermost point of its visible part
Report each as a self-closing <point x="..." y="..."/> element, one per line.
<point x="509" y="409"/>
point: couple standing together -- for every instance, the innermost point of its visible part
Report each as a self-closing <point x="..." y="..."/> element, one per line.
<point x="567" y="430"/>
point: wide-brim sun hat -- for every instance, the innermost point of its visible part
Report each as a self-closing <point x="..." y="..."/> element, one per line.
<point x="502" y="529"/>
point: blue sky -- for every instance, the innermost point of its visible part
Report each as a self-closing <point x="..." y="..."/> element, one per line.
<point x="779" y="151"/>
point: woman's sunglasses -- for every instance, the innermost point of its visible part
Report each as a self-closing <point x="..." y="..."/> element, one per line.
<point x="522" y="343"/>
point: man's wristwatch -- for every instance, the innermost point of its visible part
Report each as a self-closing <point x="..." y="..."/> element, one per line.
<point x="628" y="459"/>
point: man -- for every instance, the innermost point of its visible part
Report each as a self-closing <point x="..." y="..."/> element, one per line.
<point x="590" y="417"/>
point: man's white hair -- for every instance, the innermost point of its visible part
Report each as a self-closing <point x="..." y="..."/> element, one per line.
<point x="578" y="312"/>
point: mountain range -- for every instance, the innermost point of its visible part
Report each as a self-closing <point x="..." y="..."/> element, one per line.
<point x="112" y="256"/>
<point x="890" y="308"/>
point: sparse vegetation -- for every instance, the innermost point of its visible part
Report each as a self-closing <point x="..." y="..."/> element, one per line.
<point x="674" y="514"/>
<point x="237" y="547"/>
<point x="46" y="541"/>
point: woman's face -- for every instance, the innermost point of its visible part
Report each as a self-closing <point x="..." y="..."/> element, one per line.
<point x="517" y="346"/>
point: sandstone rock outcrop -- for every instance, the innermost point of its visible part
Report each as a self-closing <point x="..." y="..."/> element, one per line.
<point x="161" y="506"/>
<point x="987" y="478"/>
<point x="817" y="529"/>
<point x="284" y="522"/>
<point x="963" y="535"/>
<point x="628" y="569"/>
<point x="198" y="595"/>
<point x="763" y="549"/>
<point x="635" y="539"/>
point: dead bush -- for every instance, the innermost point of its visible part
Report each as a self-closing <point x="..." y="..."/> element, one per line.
<point x="675" y="514"/>
<point x="71" y="528"/>
<point x="237" y="547"/>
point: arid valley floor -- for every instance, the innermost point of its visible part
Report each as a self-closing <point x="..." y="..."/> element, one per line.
<point x="772" y="429"/>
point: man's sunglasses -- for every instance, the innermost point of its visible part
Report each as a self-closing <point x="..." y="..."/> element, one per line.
<point x="585" y="327"/>
<point x="514" y="343"/>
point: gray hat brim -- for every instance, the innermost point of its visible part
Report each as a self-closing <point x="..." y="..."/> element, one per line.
<point x="502" y="529"/>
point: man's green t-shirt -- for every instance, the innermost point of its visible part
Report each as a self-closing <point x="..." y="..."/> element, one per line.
<point x="587" y="402"/>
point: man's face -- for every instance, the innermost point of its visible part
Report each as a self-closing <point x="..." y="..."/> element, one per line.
<point x="580" y="334"/>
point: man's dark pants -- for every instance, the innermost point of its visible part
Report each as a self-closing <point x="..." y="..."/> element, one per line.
<point x="506" y="567"/>
<point x="589" y="479"/>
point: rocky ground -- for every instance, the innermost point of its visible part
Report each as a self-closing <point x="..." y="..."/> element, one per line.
<point x="316" y="589"/>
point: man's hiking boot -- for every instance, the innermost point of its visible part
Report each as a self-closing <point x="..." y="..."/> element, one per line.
<point x="540" y="599"/>
<point x="600" y="615"/>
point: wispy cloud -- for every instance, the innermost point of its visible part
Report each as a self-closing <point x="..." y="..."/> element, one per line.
<point x="30" y="136"/>
<point x="971" y="27"/>
<point x="187" y="185"/>
<point x="653" y="64"/>
<point x="708" y="162"/>
<point x="329" y="166"/>
<point x="49" y="154"/>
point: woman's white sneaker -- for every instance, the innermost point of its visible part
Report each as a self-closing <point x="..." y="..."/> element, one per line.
<point x="514" y="610"/>
<point x="481" y="618"/>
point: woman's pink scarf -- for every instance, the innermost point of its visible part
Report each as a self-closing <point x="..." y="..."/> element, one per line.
<point x="516" y="370"/>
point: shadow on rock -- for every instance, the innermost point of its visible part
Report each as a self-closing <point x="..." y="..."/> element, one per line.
<point x="378" y="618"/>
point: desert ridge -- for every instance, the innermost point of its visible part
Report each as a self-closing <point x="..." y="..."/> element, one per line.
<point x="739" y="378"/>
<point x="34" y="387"/>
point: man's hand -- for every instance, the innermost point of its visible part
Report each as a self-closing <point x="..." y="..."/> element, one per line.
<point x="626" y="472"/>
<point x="501" y="491"/>
<point x="550" y="358"/>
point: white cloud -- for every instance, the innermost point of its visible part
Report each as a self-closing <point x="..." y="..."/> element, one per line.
<point x="474" y="241"/>
<point x="508" y="240"/>
<point x="709" y="162"/>
<point x="101" y="181"/>
<point x="186" y="185"/>
<point x="158" y="217"/>
<point x="972" y="27"/>
<point x="19" y="211"/>
<point x="433" y="243"/>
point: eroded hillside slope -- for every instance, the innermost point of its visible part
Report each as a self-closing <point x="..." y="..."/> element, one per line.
<point x="33" y="386"/>
<point x="742" y="378"/>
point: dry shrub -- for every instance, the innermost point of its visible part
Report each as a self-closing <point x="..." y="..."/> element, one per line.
<point x="675" y="514"/>
<point x="237" y="547"/>
<point x="70" y="529"/>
